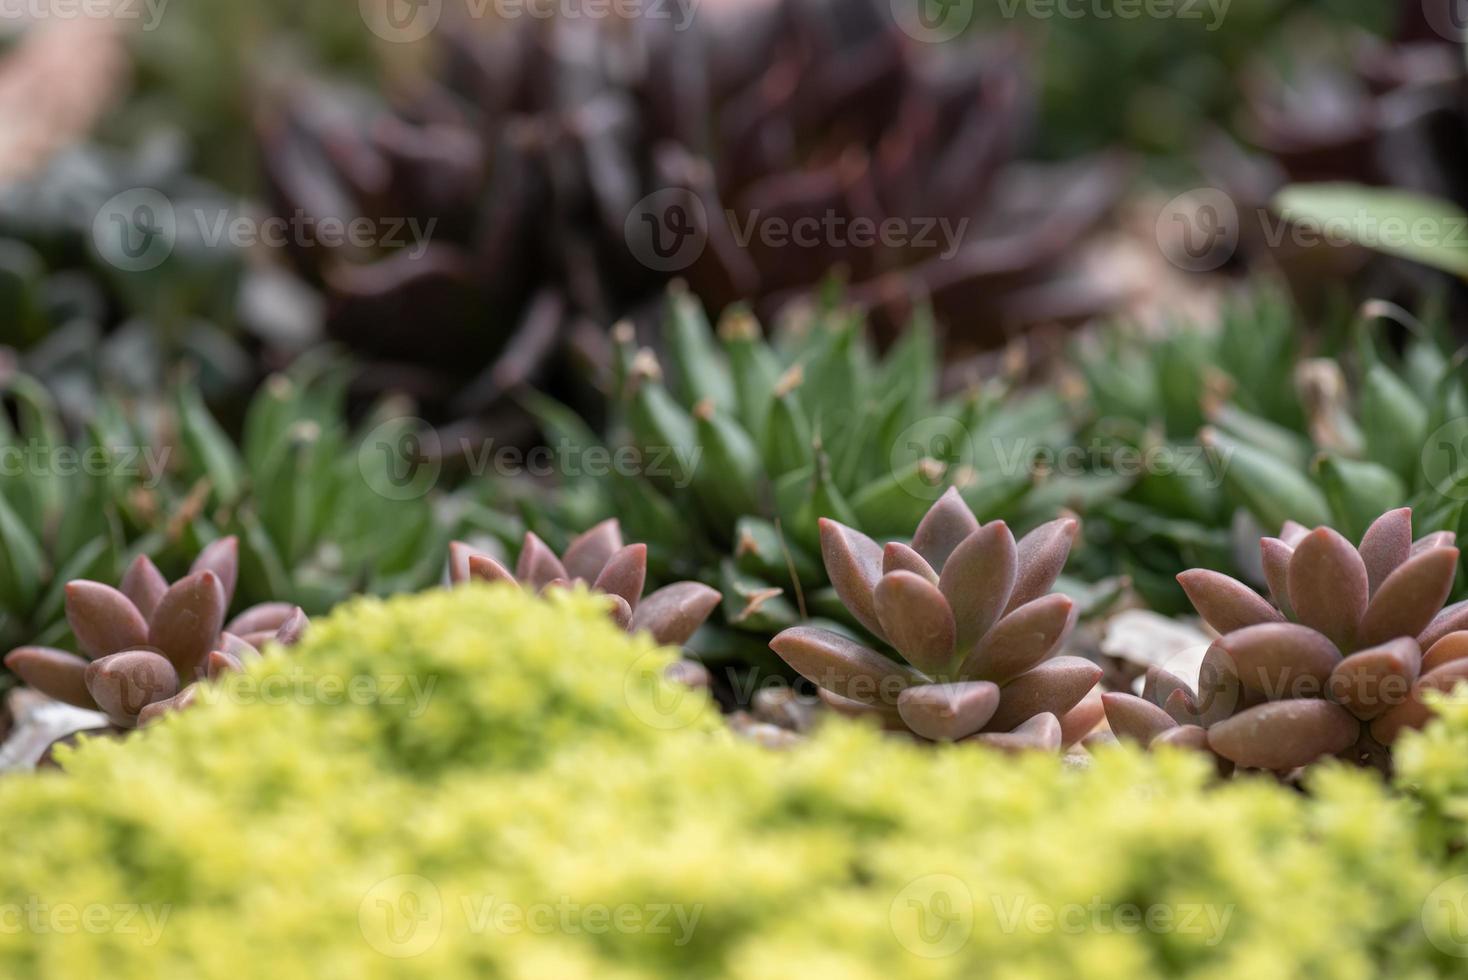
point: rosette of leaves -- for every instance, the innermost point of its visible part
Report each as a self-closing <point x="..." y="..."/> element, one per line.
<point x="598" y="559"/>
<point x="819" y="110"/>
<point x="970" y="613"/>
<point x="531" y="149"/>
<point x="724" y="454"/>
<point x="1337" y="662"/>
<point x="145" y="643"/>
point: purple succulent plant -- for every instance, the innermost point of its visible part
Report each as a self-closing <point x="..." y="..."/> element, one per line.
<point x="1338" y="664"/>
<point x="598" y="559"/>
<point x="147" y="642"/>
<point x="971" y="614"/>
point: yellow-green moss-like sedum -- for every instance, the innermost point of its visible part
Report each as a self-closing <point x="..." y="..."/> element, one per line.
<point x="482" y="784"/>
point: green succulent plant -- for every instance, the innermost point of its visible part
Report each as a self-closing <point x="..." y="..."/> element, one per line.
<point x="63" y="507"/>
<point x="322" y="510"/>
<point x="970" y="611"/>
<point x="145" y="643"/>
<point x="1260" y="434"/>
<point x="1338" y="662"/>
<point x="727" y="451"/>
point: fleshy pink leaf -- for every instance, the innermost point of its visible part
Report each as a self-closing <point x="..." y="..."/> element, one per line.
<point x="1038" y="734"/>
<point x="123" y="684"/>
<point x="1281" y="660"/>
<point x="674" y="613"/>
<point x="1041" y="556"/>
<point x="187" y="622"/>
<point x="221" y="557"/>
<point x="948" y="712"/>
<point x="898" y="557"/>
<point x="538" y="564"/>
<point x="854" y="563"/>
<point x="1410" y="596"/>
<point x="943" y="528"/>
<point x="1328" y="587"/>
<point x="588" y="553"/>
<point x="267" y="617"/>
<point x="1132" y="718"/>
<point x="978" y="579"/>
<point x="1284" y="735"/>
<point x="55" y="673"/>
<point x="916" y="619"/>
<point x="1369" y="683"/>
<point x="144" y="584"/>
<point x="1021" y="640"/>
<point x="624" y="574"/>
<point x="483" y="568"/>
<point x="1452" y="647"/>
<point x="1275" y="556"/>
<point x="1386" y="544"/>
<point x="1055" y="686"/>
<point x="1225" y="603"/>
<point x="103" y="619"/>
<point x="843" y="666"/>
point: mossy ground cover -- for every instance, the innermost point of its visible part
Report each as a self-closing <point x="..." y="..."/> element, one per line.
<point x="476" y="783"/>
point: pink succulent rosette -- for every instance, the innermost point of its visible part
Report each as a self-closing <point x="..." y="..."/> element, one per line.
<point x="1339" y="663"/>
<point x="971" y="614"/>
<point x="146" y="643"/>
<point x="599" y="560"/>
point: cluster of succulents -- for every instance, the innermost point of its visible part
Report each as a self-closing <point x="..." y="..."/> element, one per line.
<point x="145" y="643"/>
<point x="1338" y="662"/>
<point x="558" y="787"/>
<point x="322" y="509"/>
<point x="971" y="614"/>
<point x="598" y="559"/>
<point x="731" y="454"/>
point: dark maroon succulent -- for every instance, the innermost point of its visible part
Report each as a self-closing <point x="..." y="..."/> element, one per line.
<point x="533" y="151"/>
